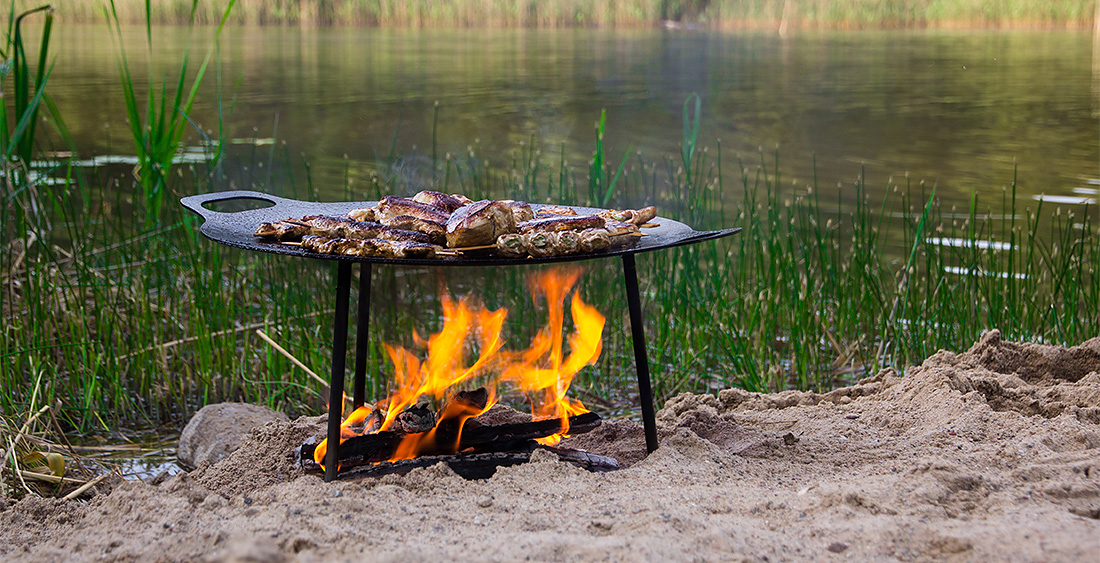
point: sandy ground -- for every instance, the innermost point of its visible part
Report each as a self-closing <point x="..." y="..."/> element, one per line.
<point x="992" y="454"/>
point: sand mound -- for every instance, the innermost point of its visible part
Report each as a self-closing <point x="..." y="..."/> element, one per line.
<point x="992" y="454"/>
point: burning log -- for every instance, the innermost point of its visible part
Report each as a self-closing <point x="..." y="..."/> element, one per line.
<point x="416" y="419"/>
<point x="484" y="465"/>
<point x="382" y="446"/>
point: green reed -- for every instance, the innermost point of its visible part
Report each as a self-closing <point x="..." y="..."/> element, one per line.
<point x="158" y="133"/>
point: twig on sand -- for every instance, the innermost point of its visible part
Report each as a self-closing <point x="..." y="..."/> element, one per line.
<point x="49" y="478"/>
<point x="79" y="491"/>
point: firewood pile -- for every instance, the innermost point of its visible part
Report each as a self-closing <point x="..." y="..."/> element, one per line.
<point x="472" y="447"/>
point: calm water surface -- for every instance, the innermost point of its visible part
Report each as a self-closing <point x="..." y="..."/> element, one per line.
<point x="955" y="108"/>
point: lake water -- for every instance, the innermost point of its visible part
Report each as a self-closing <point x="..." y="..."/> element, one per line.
<point x="952" y="107"/>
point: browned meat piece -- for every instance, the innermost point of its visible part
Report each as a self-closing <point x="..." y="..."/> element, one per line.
<point x="622" y="215"/>
<point x="479" y="223"/>
<point x="554" y="211"/>
<point x="282" y="230"/>
<point x="574" y="223"/>
<point x="328" y="226"/>
<point x="342" y="227"/>
<point x="435" y="231"/>
<point x="569" y="242"/>
<point x="521" y="210"/>
<point x="644" y="215"/>
<point x="363" y="214"/>
<point x="320" y="245"/>
<point x="512" y="245"/>
<point x="392" y="206"/>
<point x="541" y="244"/>
<point x="402" y="249"/>
<point x="444" y="202"/>
<point x="594" y="240"/>
<point x="462" y="199"/>
<point x="380" y="248"/>
<point x="635" y="216"/>
<point x="618" y="228"/>
<point x="402" y="235"/>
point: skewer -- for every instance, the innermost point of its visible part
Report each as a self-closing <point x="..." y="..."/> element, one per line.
<point x="649" y="225"/>
<point x="290" y="243"/>
<point x="466" y="248"/>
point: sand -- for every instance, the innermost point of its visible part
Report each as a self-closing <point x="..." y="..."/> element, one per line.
<point x="992" y="454"/>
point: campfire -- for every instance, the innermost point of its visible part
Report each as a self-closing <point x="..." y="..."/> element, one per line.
<point x="444" y="407"/>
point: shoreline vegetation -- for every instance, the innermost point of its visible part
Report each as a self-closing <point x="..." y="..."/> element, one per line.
<point x="116" y="312"/>
<point x="714" y="14"/>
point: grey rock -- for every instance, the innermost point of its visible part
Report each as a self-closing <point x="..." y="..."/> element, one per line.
<point x="217" y="430"/>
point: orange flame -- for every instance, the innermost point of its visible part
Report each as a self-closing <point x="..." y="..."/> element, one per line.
<point x="542" y="372"/>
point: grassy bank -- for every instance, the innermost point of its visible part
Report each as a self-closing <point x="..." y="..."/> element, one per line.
<point x="117" y="309"/>
<point x="587" y="13"/>
<point x="122" y="322"/>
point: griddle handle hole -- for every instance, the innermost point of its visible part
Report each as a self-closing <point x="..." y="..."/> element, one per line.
<point x="237" y="204"/>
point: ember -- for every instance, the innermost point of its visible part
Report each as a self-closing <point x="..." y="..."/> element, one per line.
<point x="542" y="372"/>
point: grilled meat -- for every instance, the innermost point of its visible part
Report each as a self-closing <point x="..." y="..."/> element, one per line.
<point x="479" y="223"/>
<point x="554" y="211"/>
<point x="541" y="244"/>
<point x="635" y="216"/>
<point x="644" y="215"/>
<point x="512" y="245"/>
<point x="521" y="210"/>
<point x="337" y="228"/>
<point x="341" y="227"/>
<point x="414" y="228"/>
<point x="569" y="242"/>
<point x="621" y="215"/>
<point x="448" y="204"/>
<point x="369" y="247"/>
<point x="282" y="230"/>
<point x="594" y="240"/>
<point x="618" y="228"/>
<point x="392" y="206"/>
<point x="572" y="223"/>
<point x="435" y="231"/>
<point x="364" y="214"/>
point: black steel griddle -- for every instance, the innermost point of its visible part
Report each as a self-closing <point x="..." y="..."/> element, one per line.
<point x="236" y="230"/>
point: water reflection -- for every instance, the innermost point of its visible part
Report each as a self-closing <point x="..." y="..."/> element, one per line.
<point x="955" y="108"/>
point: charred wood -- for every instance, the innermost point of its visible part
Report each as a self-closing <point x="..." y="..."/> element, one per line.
<point x="484" y="465"/>
<point x="381" y="446"/>
<point x="417" y="419"/>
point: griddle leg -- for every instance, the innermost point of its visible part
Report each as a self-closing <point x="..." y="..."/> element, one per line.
<point x="641" y="362"/>
<point x="362" y="330"/>
<point x="339" y="358"/>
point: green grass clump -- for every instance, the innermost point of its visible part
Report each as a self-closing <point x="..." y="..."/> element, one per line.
<point x="158" y="133"/>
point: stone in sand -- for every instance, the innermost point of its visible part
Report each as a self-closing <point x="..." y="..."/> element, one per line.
<point x="217" y="430"/>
